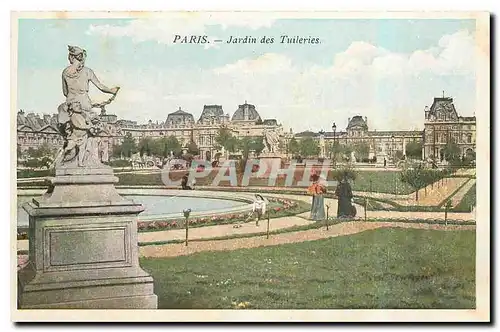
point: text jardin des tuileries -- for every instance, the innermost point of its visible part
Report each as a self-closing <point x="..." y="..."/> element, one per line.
<point x="284" y="39"/>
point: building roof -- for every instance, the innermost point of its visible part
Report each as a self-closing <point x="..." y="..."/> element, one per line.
<point x="442" y="108"/>
<point x="307" y="133"/>
<point x="179" y="117"/>
<point x="270" y="122"/>
<point x="210" y="111"/>
<point x="246" y="112"/>
<point x="357" y="121"/>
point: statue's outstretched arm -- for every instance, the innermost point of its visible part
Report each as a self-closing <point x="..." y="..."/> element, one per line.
<point x="99" y="85"/>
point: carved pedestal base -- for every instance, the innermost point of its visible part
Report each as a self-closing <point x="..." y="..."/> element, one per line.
<point x="83" y="251"/>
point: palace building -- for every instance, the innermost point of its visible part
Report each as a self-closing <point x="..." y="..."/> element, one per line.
<point x="382" y="144"/>
<point x="442" y="124"/>
<point x="33" y="130"/>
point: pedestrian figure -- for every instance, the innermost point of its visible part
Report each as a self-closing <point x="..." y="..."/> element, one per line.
<point x="258" y="210"/>
<point x="385" y="162"/>
<point x="344" y="195"/>
<point x="317" y="189"/>
<point x="184" y="183"/>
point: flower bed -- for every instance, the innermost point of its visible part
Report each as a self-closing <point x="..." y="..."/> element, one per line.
<point x="277" y="207"/>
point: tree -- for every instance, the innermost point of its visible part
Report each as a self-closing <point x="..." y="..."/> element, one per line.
<point x="335" y="149"/>
<point x="145" y="146"/>
<point x="163" y="146"/>
<point x="417" y="178"/>
<point x="173" y="144"/>
<point x="308" y="147"/>
<point x="250" y="144"/>
<point x="414" y="150"/>
<point x="42" y="151"/>
<point x="192" y="148"/>
<point x="19" y="151"/>
<point x="232" y="144"/>
<point x="361" y="150"/>
<point x="293" y="146"/>
<point x="257" y="145"/>
<point x="346" y="150"/>
<point x="398" y="154"/>
<point x="225" y="138"/>
<point x="451" y="152"/>
<point x="127" y="148"/>
<point x="345" y="173"/>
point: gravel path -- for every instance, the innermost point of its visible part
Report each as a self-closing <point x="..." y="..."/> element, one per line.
<point x="347" y="228"/>
<point x="457" y="198"/>
<point x="223" y="230"/>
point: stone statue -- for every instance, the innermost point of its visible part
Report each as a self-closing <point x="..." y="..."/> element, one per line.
<point x="353" y="157"/>
<point x="271" y="141"/>
<point x="78" y="125"/>
<point x="322" y="145"/>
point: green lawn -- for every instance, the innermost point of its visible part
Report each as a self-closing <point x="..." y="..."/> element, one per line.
<point x="384" y="268"/>
<point x="381" y="181"/>
<point x="467" y="201"/>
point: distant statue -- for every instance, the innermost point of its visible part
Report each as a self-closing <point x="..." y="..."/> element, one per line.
<point x="271" y="141"/>
<point x="353" y="157"/>
<point x="78" y="125"/>
<point x="322" y="145"/>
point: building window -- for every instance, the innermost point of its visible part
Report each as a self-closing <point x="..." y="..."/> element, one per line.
<point x="469" y="138"/>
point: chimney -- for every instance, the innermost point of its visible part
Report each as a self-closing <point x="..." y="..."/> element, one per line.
<point x="366" y="120"/>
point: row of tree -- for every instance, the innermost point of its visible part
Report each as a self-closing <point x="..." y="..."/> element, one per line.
<point x="245" y="145"/>
<point x="419" y="177"/>
<point x="309" y="147"/>
<point x="160" y="147"/>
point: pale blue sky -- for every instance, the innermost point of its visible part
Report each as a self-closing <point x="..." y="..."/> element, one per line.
<point x="152" y="71"/>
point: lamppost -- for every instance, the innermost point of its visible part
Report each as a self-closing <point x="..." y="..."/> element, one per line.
<point x="334" y="128"/>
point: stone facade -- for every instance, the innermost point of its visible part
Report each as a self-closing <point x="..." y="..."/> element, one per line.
<point x="33" y="131"/>
<point x="443" y="125"/>
<point x="383" y="144"/>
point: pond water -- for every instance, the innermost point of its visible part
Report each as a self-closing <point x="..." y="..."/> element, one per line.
<point x="155" y="205"/>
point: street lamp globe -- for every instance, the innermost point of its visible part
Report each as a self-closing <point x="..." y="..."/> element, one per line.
<point x="334" y="127"/>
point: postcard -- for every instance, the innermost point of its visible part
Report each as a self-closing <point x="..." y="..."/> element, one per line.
<point x="250" y="166"/>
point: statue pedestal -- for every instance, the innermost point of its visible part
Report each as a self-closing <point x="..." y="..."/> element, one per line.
<point x="270" y="161"/>
<point x="83" y="251"/>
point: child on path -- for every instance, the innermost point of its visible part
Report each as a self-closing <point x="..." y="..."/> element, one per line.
<point x="258" y="210"/>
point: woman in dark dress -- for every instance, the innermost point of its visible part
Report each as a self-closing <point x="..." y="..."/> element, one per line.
<point x="344" y="195"/>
